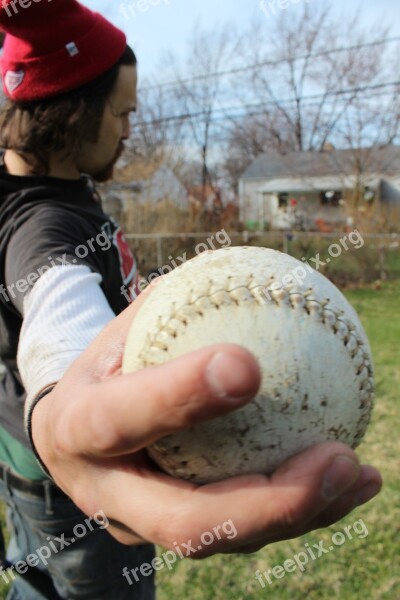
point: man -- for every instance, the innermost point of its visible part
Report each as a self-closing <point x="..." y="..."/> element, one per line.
<point x="54" y="233"/>
<point x="71" y="83"/>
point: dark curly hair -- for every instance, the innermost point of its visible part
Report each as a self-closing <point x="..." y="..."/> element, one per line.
<point x="39" y="128"/>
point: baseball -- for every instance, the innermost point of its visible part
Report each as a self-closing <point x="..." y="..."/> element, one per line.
<point x="314" y="356"/>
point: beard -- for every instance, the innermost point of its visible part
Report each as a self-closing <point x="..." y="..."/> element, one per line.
<point x="106" y="173"/>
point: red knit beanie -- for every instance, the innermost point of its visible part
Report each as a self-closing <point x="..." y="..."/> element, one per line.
<point x="54" y="46"/>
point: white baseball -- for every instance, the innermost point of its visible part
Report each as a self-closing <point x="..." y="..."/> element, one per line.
<point x="315" y="359"/>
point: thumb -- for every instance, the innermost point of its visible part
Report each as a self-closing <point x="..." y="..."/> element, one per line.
<point x="128" y="412"/>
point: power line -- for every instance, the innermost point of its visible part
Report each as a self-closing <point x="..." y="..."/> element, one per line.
<point x="199" y="114"/>
<point x="268" y="63"/>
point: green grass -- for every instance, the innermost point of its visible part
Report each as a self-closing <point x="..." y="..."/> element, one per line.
<point x="360" y="568"/>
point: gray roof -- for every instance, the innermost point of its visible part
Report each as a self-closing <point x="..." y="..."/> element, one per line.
<point x="271" y="165"/>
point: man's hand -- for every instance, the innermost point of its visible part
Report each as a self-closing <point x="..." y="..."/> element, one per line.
<point x="91" y="431"/>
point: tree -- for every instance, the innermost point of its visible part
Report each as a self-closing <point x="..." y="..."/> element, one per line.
<point x="154" y="135"/>
<point x="197" y="97"/>
<point x="250" y="136"/>
<point x="310" y="81"/>
<point x="306" y="77"/>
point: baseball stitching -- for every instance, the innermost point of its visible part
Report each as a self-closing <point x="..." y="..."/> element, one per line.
<point x="293" y="298"/>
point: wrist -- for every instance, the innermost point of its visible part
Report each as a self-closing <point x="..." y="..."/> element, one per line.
<point x="37" y="427"/>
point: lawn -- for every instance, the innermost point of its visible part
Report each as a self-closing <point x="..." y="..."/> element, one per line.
<point x="366" y="566"/>
<point x="363" y="567"/>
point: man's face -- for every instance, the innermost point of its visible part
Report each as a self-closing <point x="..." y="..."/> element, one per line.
<point x="98" y="159"/>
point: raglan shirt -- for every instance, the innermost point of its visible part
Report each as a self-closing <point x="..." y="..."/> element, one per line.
<point x="48" y="223"/>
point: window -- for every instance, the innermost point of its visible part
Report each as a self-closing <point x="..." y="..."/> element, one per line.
<point x="283" y="200"/>
<point x="369" y="195"/>
<point x="330" y="198"/>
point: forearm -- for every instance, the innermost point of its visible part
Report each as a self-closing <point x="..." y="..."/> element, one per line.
<point x="62" y="315"/>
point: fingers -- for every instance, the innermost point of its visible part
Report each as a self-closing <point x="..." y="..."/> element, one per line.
<point x="367" y="486"/>
<point x="125" y="413"/>
<point x="261" y="508"/>
<point x="293" y="520"/>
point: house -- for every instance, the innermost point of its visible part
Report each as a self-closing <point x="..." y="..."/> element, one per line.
<point x="311" y="190"/>
<point x="140" y="182"/>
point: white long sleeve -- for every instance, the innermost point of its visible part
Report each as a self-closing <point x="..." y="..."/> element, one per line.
<point x="63" y="313"/>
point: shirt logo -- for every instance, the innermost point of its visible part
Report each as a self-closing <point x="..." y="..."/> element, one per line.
<point x="13" y="80"/>
<point x="126" y="259"/>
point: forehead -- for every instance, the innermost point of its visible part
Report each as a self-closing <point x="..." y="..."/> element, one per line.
<point x="124" y="92"/>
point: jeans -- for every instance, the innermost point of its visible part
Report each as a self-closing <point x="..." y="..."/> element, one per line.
<point x="83" y="563"/>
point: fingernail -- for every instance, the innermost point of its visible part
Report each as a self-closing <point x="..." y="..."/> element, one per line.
<point x="342" y="473"/>
<point x="368" y="492"/>
<point x="230" y="377"/>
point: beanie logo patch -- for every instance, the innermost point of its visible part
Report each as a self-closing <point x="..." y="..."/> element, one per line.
<point x="72" y="49"/>
<point x="13" y="80"/>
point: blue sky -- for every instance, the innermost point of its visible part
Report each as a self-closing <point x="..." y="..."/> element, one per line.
<point x="167" y="24"/>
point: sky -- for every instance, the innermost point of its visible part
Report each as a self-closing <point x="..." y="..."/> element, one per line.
<point x="154" y="27"/>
